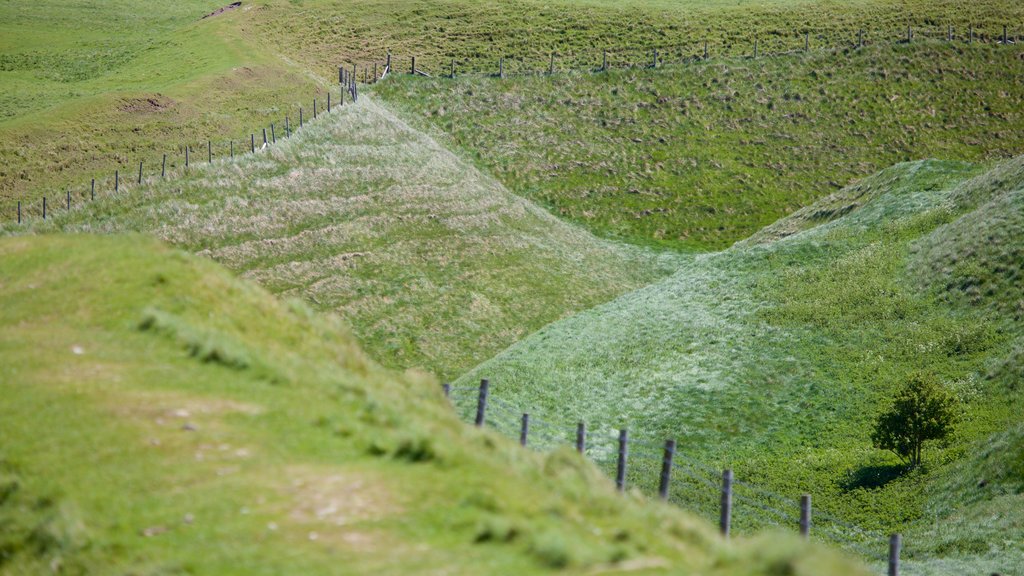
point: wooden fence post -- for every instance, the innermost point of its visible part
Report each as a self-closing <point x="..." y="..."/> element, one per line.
<point x="805" y="516"/>
<point x="807" y="41"/>
<point x="705" y="49"/>
<point x="755" y="47"/>
<point x="666" y="469"/>
<point x="19" y="211"/>
<point x="481" y="403"/>
<point x="910" y="34"/>
<point x="524" y="430"/>
<point x="451" y="74"/>
<point x="264" y="136"/>
<point x="604" y="61"/>
<point x="412" y="69"/>
<point x="314" y="108"/>
<point x="501" y="68"/>
<point x="186" y="155"/>
<point x="328" y="102"/>
<point x="725" y="520"/>
<point x="92" y="185"/>
<point x="287" y="128"/>
<point x="1005" y="39"/>
<point x="387" y="68"/>
<point x="117" y="181"/>
<point x="69" y="199"/>
<point x="341" y="74"/>
<point x="374" y="72"/>
<point x="232" y="145"/>
<point x="581" y="437"/>
<point x="140" y="172"/>
<point x="252" y="143"/>
<point x="273" y="134"/>
<point x="620" y="470"/>
<point x="895" y="544"/>
<point x="949" y="33"/>
<point x="300" y="116"/>
<point x="163" y="167"/>
<point x="44" y="207"/>
<point x="654" y="63"/>
<point x="551" y="65"/>
<point x="970" y="36"/>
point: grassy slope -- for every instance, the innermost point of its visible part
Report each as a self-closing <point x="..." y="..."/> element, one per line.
<point x="318" y="33"/>
<point x="775" y="357"/>
<point x="162" y="417"/>
<point x="433" y="263"/>
<point x="705" y="154"/>
<point x="92" y="87"/>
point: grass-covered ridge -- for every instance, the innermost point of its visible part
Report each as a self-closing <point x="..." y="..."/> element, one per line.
<point x="163" y="417"/>
<point x="705" y="154"/>
<point x="433" y="263"/>
<point x="774" y="357"/>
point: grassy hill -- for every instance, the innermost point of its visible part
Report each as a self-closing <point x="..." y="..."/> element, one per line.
<point x="775" y="356"/>
<point x="433" y="263"/>
<point x="163" y="417"/>
<point x="701" y="155"/>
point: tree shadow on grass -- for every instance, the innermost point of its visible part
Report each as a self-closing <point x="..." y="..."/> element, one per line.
<point x="871" y="477"/>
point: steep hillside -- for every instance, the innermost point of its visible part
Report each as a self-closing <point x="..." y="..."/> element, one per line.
<point x="705" y="154"/>
<point x="775" y="357"/>
<point x="162" y="417"/>
<point x="433" y="263"/>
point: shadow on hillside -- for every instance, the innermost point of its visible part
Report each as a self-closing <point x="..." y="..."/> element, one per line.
<point x="871" y="477"/>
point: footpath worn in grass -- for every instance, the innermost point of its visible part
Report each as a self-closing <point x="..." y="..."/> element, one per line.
<point x="163" y="417"/>
<point x="705" y="154"/>
<point x="433" y="263"/>
<point x="774" y="357"/>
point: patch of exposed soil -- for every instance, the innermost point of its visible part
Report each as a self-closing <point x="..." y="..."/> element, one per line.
<point x="220" y="11"/>
<point x="154" y="103"/>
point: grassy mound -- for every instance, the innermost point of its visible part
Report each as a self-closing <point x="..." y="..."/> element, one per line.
<point x="705" y="154"/>
<point x="162" y="417"/>
<point x="775" y="357"/>
<point x="433" y="263"/>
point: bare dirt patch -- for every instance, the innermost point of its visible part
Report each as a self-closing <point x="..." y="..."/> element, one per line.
<point x="155" y="103"/>
<point x="220" y="11"/>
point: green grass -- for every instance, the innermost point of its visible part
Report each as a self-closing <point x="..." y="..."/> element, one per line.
<point x="699" y="156"/>
<point x="434" y="264"/>
<point x="163" y="417"/>
<point x="775" y="357"/>
<point x="90" y="87"/>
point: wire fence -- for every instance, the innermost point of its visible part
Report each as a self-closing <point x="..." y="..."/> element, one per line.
<point x="640" y="462"/>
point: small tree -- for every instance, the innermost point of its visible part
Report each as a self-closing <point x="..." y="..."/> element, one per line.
<point x="923" y="410"/>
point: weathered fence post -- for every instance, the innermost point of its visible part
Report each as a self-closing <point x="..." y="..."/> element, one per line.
<point x="341" y="74"/>
<point x="501" y="68"/>
<point x="620" y="470"/>
<point x="412" y="69"/>
<point x="92" y="185"/>
<point x="807" y="41"/>
<point x="300" y="116"/>
<point x="19" y="211"/>
<point x="654" y="63"/>
<point x="895" y="544"/>
<point x="949" y="33"/>
<point x="163" y="167"/>
<point x="451" y="74"/>
<point x="186" y="155"/>
<point x="264" y="136"/>
<point x="44" y="207"/>
<point x="209" y="152"/>
<point x="387" y="68"/>
<point x="581" y="437"/>
<point x="287" y="128"/>
<point x="252" y="143"/>
<point x="970" y="36"/>
<point x="374" y="72"/>
<point x="755" y="47"/>
<point x="705" y="49"/>
<point x="551" y="65"/>
<point x="725" y="520"/>
<point x="69" y="199"/>
<point x="666" y="469"/>
<point x="524" y="430"/>
<point x="805" y="515"/>
<point x="117" y="181"/>
<point x="273" y="134"/>
<point x="314" y="108"/>
<point x="328" y="102"/>
<point x="604" y="61"/>
<point x="910" y="34"/>
<point x="1005" y="39"/>
<point x="481" y="403"/>
<point x="140" y="172"/>
<point x="447" y="388"/>
<point x="232" y="147"/>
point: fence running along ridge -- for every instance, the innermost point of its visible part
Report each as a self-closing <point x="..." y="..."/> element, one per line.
<point x="350" y="75"/>
<point x="766" y="44"/>
<point x="640" y="462"/>
<point x="186" y="156"/>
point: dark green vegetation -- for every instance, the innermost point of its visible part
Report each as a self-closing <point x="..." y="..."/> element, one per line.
<point x="776" y="356"/>
<point x="705" y="154"/>
<point x="923" y="411"/>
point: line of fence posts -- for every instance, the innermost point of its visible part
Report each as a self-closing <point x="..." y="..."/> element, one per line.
<point x="665" y="477"/>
